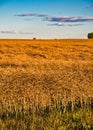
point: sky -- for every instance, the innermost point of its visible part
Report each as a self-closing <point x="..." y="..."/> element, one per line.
<point x="45" y="19"/>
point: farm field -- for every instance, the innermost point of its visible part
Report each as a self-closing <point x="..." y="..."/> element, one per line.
<point x="46" y="84"/>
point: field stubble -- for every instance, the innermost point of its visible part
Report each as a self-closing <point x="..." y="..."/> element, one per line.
<point x="42" y="73"/>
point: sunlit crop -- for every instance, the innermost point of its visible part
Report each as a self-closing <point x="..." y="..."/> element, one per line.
<point x="46" y="84"/>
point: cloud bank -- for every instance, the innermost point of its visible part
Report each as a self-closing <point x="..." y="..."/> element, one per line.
<point x="69" y="19"/>
<point x="59" y="20"/>
<point x="89" y="6"/>
<point x="65" y="25"/>
<point x="31" y="14"/>
<point x="14" y="32"/>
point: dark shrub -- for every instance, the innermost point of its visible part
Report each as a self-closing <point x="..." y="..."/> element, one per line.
<point x="90" y="35"/>
<point x="34" y="38"/>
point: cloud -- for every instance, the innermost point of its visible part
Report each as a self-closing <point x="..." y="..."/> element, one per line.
<point x="8" y="32"/>
<point x="14" y="32"/>
<point x="57" y="18"/>
<point x="42" y="15"/>
<point x="65" y="21"/>
<point x="31" y="14"/>
<point x="89" y="6"/>
<point x="64" y="24"/>
<point x="69" y="19"/>
<point x="25" y="33"/>
<point x="25" y="15"/>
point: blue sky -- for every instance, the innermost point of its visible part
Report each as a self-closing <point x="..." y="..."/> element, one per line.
<point x="46" y="18"/>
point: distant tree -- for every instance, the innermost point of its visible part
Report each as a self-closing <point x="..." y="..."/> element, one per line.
<point x="34" y="38"/>
<point x="90" y="35"/>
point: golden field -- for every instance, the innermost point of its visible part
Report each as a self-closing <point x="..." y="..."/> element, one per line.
<point x="41" y="72"/>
